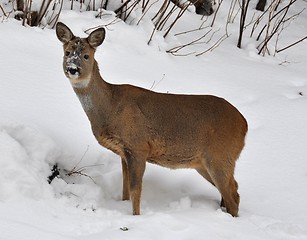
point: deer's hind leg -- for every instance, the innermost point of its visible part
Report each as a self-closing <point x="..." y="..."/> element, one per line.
<point x="218" y="168"/>
<point x="203" y="172"/>
<point x="222" y="176"/>
<point x="231" y="198"/>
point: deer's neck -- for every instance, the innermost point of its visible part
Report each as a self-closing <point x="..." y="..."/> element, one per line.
<point x="95" y="97"/>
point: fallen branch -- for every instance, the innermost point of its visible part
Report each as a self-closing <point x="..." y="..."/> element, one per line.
<point x="79" y="172"/>
<point x="291" y="45"/>
<point x="114" y="21"/>
<point x="154" y="84"/>
<point x="178" y="48"/>
<point x="214" y="46"/>
<point x="190" y="31"/>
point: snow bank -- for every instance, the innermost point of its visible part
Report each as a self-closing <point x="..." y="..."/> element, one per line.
<point x="26" y="157"/>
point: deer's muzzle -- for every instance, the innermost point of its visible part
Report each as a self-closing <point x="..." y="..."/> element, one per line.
<point x="73" y="63"/>
<point x="73" y="71"/>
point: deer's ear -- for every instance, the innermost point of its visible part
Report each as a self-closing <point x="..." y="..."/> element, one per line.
<point x="63" y="33"/>
<point x="96" y="37"/>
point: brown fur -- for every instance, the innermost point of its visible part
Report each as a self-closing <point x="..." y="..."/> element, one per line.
<point x="202" y="132"/>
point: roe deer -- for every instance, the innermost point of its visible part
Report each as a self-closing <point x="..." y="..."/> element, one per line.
<point x="203" y="132"/>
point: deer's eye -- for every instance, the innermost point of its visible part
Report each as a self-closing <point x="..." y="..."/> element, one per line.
<point x="86" y="56"/>
<point x="67" y="53"/>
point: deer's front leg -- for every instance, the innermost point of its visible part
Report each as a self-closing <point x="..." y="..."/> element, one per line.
<point x="136" y="168"/>
<point x="126" y="190"/>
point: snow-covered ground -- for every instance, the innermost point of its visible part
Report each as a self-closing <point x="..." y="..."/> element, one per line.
<point x="42" y="123"/>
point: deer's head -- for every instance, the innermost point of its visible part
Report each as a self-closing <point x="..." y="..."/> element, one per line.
<point x="79" y="54"/>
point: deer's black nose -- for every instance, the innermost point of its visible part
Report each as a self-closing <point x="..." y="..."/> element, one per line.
<point x="73" y="71"/>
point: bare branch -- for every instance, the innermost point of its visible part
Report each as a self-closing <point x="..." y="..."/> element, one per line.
<point x="117" y="11"/>
<point x="275" y="15"/>
<point x="161" y="12"/>
<point x="178" y="48"/>
<point x="74" y="168"/>
<point x="114" y="21"/>
<point x="190" y="31"/>
<point x="78" y="173"/>
<point x="216" y="11"/>
<point x="244" y="8"/>
<point x="145" y="11"/>
<point x="163" y="20"/>
<point x="58" y="15"/>
<point x="151" y="36"/>
<point x="263" y="45"/>
<point x="230" y="19"/>
<point x="215" y="45"/>
<point x="291" y="45"/>
<point x="3" y="10"/>
<point x="154" y="84"/>
<point x="181" y="12"/>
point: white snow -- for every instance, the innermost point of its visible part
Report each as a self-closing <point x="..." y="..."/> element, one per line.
<point x="42" y="123"/>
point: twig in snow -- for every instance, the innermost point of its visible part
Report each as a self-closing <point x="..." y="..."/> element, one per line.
<point x="79" y="172"/>
<point x="291" y="45"/>
<point x="154" y="84"/>
<point x="214" y="46"/>
<point x="178" y="48"/>
<point x="114" y="21"/>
